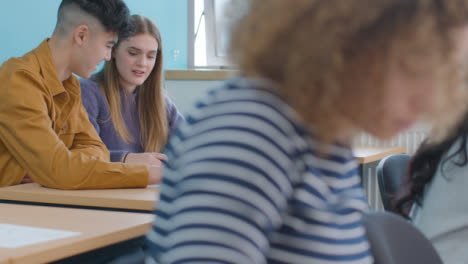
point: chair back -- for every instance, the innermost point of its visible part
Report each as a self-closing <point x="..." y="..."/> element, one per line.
<point x="390" y="173"/>
<point x="394" y="240"/>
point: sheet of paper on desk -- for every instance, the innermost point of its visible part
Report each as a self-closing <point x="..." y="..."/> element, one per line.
<point x="14" y="236"/>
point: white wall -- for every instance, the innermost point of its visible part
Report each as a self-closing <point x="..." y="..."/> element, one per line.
<point x="185" y="93"/>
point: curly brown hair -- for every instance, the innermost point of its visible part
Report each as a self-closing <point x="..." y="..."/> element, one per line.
<point x="321" y="54"/>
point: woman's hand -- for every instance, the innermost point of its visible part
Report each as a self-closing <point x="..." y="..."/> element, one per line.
<point x="155" y="174"/>
<point x="152" y="160"/>
<point x="26" y="179"/>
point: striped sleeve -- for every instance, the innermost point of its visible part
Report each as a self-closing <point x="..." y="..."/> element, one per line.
<point x="225" y="195"/>
<point x="325" y="220"/>
<point x="245" y="183"/>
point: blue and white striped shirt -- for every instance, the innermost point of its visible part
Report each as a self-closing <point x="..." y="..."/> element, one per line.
<point x="245" y="184"/>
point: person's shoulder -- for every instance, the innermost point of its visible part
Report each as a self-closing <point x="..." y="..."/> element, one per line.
<point x="20" y="76"/>
<point x="244" y="112"/>
<point x="91" y="95"/>
<point x="89" y="85"/>
<point x="90" y="88"/>
<point x="170" y="106"/>
<point x="26" y="64"/>
<point x="168" y="101"/>
<point x="259" y="91"/>
<point x="254" y="98"/>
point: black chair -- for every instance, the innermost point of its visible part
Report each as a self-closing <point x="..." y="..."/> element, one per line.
<point x="394" y="240"/>
<point x="390" y="173"/>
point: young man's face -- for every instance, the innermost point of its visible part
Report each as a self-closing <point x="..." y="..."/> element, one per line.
<point x="97" y="48"/>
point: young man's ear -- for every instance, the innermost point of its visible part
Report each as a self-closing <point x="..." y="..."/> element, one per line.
<point x="81" y="35"/>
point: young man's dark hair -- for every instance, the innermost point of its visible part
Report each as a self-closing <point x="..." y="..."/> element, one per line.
<point x="113" y="15"/>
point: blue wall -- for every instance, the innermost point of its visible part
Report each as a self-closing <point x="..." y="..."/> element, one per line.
<point x="22" y="27"/>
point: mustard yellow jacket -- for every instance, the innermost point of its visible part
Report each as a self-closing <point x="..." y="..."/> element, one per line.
<point x="45" y="132"/>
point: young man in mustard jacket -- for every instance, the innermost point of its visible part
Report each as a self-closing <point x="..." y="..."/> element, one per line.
<point x="45" y="134"/>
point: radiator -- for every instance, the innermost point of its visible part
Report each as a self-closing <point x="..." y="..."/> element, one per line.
<point x="410" y="139"/>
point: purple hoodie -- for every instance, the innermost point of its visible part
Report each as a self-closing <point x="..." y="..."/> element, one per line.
<point x="99" y="115"/>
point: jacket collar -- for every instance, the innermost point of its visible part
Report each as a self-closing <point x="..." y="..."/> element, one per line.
<point x="49" y="72"/>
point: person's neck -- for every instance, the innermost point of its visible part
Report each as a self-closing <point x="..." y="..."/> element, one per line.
<point x="129" y="88"/>
<point x="61" y="56"/>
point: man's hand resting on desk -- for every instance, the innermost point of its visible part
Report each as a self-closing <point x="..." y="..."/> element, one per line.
<point x="149" y="158"/>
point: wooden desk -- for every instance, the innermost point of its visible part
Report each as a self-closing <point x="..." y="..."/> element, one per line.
<point x="368" y="158"/>
<point x="370" y="154"/>
<point x="97" y="229"/>
<point x="143" y="199"/>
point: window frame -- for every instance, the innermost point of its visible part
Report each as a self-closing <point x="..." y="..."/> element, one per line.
<point x="213" y="60"/>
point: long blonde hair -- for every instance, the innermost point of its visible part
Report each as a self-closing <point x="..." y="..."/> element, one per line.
<point x="151" y="102"/>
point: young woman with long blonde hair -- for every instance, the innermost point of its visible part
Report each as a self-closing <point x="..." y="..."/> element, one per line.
<point x="125" y="100"/>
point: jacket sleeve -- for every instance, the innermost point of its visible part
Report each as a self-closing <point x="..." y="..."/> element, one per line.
<point x="87" y="140"/>
<point x="26" y="130"/>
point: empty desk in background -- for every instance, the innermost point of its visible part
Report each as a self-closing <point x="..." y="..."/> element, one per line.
<point x="92" y="229"/>
<point x="368" y="158"/>
<point x="135" y="199"/>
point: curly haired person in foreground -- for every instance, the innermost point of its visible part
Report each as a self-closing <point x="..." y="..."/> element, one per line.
<point x="263" y="172"/>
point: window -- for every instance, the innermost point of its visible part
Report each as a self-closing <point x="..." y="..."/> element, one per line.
<point x="208" y="34"/>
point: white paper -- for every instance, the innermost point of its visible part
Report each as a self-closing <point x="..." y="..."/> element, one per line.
<point x="14" y="236"/>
